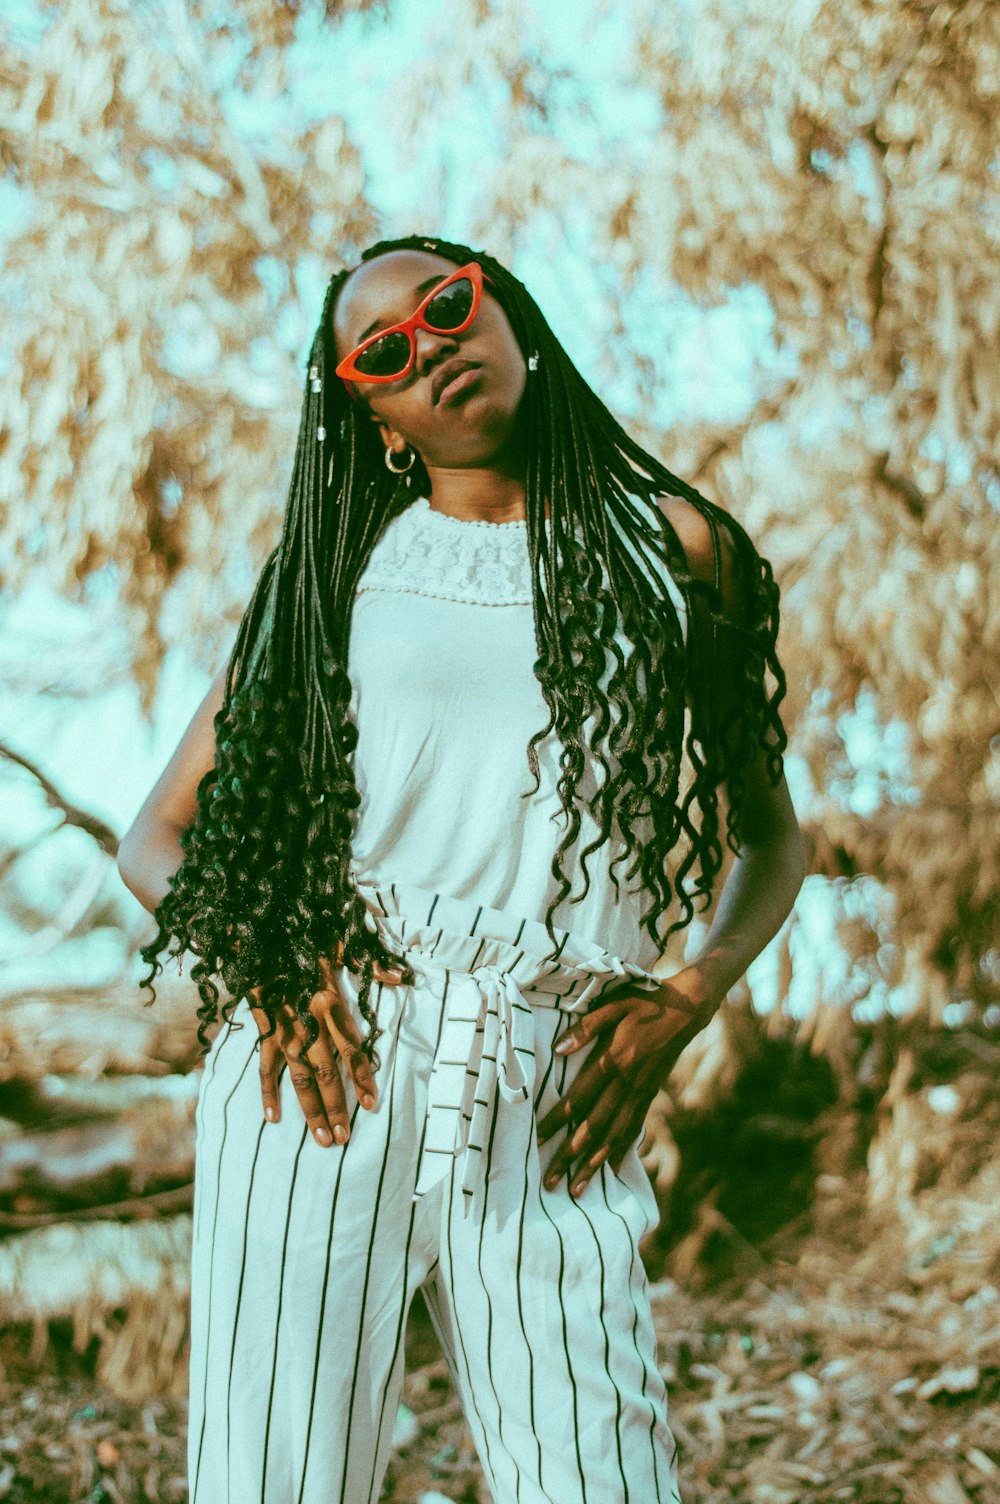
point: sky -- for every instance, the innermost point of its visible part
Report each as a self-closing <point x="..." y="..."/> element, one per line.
<point x="96" y="745"/>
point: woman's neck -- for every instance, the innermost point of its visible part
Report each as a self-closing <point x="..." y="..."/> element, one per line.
<point x="477" y="495"/>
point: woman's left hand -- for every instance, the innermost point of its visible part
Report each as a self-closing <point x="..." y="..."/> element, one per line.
<point x="639" y="1038"/>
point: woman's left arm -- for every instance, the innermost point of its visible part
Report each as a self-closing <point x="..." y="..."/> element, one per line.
<point x="641" y="1035"/>
<point x="644" y="1033"/>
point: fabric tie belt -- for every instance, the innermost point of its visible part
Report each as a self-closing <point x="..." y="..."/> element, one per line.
<point x="490" y="968"/>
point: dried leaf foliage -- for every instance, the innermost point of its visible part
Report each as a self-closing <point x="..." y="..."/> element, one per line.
<point x="851" y="1355"/>
<point x="839" y="157"/>
<point x="149" y="204"/>
<point x="842" y="158"/>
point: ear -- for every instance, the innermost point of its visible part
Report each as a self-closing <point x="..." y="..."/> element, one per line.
<point x="390" y="436"/>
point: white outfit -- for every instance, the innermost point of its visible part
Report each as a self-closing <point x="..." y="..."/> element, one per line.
<point x="305" y="1257"/>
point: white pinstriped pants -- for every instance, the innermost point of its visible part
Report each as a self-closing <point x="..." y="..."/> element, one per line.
<point x="305" y="1258"/>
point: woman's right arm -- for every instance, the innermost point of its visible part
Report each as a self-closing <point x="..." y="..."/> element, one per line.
<point x="149" y="855"/>
<point x="150" y="850"/>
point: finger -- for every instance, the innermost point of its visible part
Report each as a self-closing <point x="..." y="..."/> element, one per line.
<point x="580" y="1178"/>
<point x="312" y="1071"/>
<point x="589" y="1134"/>
<point x="393" y="977"/>
<point x="344" y="1033"/>
<point x="307" y="1090"/>
<point x="623" y="1143"/>
<point x="588" y="1085"/>
<point x="389" y="976"/>
<point x="329" y="1082"/>
<point x="271" y="1062"/>
<point x="620" y="1129"/>
<point x="591" y="1025"/>
<point x="624" y="1133"/>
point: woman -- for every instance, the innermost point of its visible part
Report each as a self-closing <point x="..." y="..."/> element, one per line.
<point x="480" y="576"/>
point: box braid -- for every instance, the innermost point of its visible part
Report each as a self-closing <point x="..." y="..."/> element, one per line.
<point x="264" y="887"/>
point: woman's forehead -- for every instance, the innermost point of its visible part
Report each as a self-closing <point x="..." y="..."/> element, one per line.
<point x="384" y="288"/>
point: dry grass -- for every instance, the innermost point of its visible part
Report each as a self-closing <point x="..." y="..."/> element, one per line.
<point x="851" y="1354"/>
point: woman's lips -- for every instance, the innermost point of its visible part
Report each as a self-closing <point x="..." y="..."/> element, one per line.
<point x="459" y="383"/>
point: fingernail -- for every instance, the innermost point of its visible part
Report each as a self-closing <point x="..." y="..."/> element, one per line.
<point x="270" y="1114"/>
<point x="551" y="1181"/>
<point x="340" y="1133"/>
<point x="367" y="1100"/>
<point x="564" y="1044"/>
<point x="580" y="1185"/>
<point x="323" y="1134"/>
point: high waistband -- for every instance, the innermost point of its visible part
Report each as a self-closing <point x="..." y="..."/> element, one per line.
<point x="493" y="967"/>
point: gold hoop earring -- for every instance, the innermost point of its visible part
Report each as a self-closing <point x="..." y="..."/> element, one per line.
<point x="399" y="469"/>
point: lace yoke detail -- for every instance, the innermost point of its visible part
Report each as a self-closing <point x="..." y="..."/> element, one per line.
<point x="426" y="552"/>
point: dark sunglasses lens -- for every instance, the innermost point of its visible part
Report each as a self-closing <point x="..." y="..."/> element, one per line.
<point x="386" y="357"/>
<point x="452" y="305"/>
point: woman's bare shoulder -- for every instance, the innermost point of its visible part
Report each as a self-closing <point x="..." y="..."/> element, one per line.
<point x="696" y="537"/>
<point x="171" y="801"/>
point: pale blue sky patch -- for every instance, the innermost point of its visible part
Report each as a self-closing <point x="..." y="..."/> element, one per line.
<point x="711" y="363"/>
<point x="191" y="344"/>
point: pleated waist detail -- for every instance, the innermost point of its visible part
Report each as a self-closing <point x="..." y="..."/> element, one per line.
<point x="490" y="969"/>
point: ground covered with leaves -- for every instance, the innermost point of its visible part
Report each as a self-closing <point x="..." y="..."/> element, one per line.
<point x="843" y="1347"/>
<point x="829" y="1373"/>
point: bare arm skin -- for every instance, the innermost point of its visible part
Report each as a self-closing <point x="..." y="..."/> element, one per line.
<point x="149" y="855"/>
<point x="150" y="851"/>
<point x="763" y="880"/>
<point x="639" y="1038"/>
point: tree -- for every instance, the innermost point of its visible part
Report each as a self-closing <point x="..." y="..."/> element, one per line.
<point x="836" y="158"/>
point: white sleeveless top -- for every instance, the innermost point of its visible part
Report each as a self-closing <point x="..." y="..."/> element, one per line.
<point x="445" y="700"/>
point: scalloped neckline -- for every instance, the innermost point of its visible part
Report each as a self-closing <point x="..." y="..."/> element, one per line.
<point x="423" y="505"/>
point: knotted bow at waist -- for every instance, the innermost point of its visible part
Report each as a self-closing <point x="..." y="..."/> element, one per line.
<point x="491" y="969"/>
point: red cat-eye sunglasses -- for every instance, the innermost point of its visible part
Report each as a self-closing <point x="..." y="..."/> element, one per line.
<point x="389" y="354"/>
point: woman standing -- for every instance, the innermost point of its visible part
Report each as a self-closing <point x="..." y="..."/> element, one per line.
<point x="395" y="829"/>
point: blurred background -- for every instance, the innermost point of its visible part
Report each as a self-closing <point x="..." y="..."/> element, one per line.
<point x="769" y="238"/>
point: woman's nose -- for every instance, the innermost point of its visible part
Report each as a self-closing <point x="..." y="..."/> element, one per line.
<point x="431" y="346"/>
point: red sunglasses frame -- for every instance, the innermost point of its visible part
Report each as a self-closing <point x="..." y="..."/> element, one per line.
<point x="347" y="370"/>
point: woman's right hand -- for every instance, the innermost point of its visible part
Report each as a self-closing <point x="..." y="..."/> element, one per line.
<point x="316" y="1073"/>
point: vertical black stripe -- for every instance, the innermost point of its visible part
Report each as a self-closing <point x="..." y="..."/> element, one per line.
<point x="484" y="1455"/>
<point x="655" y="1367"/>
<point x="371" y="1250"/>
<point x="562" y="1306"/>
<point x="437" y="942"/>
<point x="211" y="1270"/>
<point x="406" y="1261"/>
<point x="489" y="1303"/>
<point x="211" y="1070"/>
<point x="239" y="1291"/>
<point x="433" y="906"/>
<point x="277" y="1319"/>
<point x="395" y="1349"/>
<point x="531" y="1361"/>
<point x="633" y="1258"/>
<point x="518" y="1266"/>
<point x="607" y="1352"/>
<point x="322" y="1305"/>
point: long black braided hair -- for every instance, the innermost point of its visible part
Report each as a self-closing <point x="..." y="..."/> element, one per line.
<point x="264" y="889"/>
